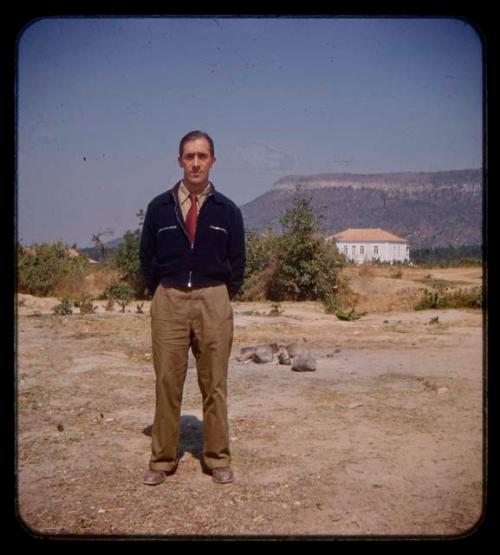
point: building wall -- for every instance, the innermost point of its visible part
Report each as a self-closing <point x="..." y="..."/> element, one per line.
<point x="366" y="251"/>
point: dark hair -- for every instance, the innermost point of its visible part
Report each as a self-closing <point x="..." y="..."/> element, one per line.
<point x="191" y="136"/>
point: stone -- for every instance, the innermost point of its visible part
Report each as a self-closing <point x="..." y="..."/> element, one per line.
<point x="284" y="357"/>
<point x="263" y="355"/>
<point x="297" y="348"/>
<point x="245" y="356"/>
<point x="304" y="364"/>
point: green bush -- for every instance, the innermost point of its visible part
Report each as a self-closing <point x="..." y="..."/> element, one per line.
<point x="296" y="265"/>
<point x="86" y="304"/>
<point x="119" y="292"/>
<point x="261" y="253"/>
<point x="348" y="316"/>
<point x="461" y="298"/>
<point x="63" y="308"/>
<point x="41" y="267"/>
<point x="127" y="260"/>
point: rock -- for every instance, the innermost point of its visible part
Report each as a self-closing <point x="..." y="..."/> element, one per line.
<point x="249" y="349"/>
<point x="303" y="364"/>
<point x="253" y="348"/>
<point x="263" y="355"/>
<point x="297" y="348"/>
<point x="442" y="390"/>
<point x="60" y="427"/>
<point x="245" y="356"/>
<point x="283" y="356"/>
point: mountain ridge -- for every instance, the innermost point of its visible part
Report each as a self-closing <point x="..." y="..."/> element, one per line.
<point x="430" y="209"/>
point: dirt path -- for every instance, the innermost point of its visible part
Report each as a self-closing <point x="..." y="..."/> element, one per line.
<point x="385" y="437"/>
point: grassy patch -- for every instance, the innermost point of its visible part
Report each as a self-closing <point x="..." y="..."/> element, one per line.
<point x="460" y="298"/>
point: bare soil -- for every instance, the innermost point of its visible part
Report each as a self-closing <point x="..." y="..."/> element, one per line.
<point x="384" y="438"/>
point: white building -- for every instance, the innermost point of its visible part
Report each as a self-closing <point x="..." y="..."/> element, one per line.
<point x="374" y="244"/>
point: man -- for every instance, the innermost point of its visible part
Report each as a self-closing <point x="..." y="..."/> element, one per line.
<point x="192" y="258"/>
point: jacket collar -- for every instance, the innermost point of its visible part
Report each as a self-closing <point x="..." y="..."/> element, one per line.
<point x="170" y="195"/>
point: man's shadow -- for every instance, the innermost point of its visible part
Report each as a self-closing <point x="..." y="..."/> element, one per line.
<point x="191" y="438"/>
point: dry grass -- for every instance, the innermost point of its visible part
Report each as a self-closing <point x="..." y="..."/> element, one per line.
<point x="387" y="288"/>
<point x="94" y="283"/>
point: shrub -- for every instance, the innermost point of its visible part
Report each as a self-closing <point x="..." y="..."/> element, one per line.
<point x="348" y="316"/>
<point x="127" y="259"/>
<point x="260" y="268"/>
<point x="430" y="299"/>
<point x="86" y="304"/>
<point x="41" y="267"/>
<point x="120" y="292"/>
<point x="461" y="298"/>
<point x="63" y="308"/>
<point x="306" y="266"/>
<point x="297" y="265"/>
<point x="465" y="298"/>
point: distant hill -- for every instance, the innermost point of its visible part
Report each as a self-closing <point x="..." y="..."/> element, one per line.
<point x="430" y="209"/>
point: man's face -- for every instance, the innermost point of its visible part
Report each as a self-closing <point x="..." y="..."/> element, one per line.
<point x="196" y="162"/>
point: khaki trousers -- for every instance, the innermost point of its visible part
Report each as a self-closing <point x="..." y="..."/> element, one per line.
<point x="203" y="319"/>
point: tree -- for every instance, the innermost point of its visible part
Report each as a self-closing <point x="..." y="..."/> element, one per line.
<point x="119" y="292"/>
<point x="128" y="260"/>
<point x="98" y="244"/>
<point x="296" y="265"/>
<point x="306" y="266"/>
<point x="41" y="267"/>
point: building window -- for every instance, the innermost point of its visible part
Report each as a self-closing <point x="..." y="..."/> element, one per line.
<point x="346" y="250"/>
<point x="362" y="250"/>
<point x="353" y="250"/>
<point x="375" y="250"/>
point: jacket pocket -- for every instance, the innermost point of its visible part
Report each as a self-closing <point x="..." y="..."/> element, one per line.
<point x="217" y="228"/>
<point x="167" y="228"/>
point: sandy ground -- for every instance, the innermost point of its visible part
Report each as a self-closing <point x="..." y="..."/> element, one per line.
<point x="384" y="438"/>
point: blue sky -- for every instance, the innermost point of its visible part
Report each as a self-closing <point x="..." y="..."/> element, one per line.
<point x="103" y="102"/>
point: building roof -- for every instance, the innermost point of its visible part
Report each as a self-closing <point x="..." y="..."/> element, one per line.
<point x="368" y="234"/>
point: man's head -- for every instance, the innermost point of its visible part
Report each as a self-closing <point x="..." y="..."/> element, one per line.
<point x="196" y="158"/>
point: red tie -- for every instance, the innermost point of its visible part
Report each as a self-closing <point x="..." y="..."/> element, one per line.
<point x="191" y="218"/>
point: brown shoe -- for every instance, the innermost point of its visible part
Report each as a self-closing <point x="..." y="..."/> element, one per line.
<point x="222" y="475"/>
<point x="154" y="477"/>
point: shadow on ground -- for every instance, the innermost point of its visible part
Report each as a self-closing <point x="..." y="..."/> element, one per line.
<point x="191" y="438"/>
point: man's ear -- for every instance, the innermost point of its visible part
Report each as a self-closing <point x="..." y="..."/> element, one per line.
<point x="179" y="161"/>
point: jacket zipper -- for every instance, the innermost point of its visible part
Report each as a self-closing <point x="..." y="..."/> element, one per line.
<point x="185" y="232"/>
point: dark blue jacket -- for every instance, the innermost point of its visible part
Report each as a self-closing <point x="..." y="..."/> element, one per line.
<point x="217" y="255"/>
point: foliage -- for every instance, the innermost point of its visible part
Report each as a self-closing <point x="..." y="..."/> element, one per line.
<point x="127" y="259"/>
<point x="86" y="305"/>
<point x="348" y="316"/>
<point x="296" y="265"/>
<point x="119" y="292"/>
<point x="63" y="308"/>
<point x="41" y="267"/>
<point x="460" y="298"/>
<point x="462" y="255"/>
<point x="261" y="254"/>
